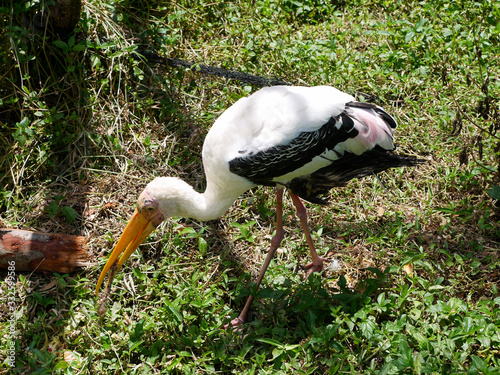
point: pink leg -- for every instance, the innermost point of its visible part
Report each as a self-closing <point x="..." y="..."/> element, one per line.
<point x="317" y="261"/>
<point x="275" y="242"/>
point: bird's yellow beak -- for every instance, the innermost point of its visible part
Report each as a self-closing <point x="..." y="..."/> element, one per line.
<point x="137" y="230"/>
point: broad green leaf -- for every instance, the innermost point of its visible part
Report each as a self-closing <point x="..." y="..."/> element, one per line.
<point x="494" y="192"/>
<point x="271" y="342"/>
<point x="60" y="44"/>
<point x="176" y="312"/>
<point x="69" y="213"/>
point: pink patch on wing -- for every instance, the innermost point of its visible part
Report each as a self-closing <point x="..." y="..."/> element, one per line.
<point x="371" y="127"/>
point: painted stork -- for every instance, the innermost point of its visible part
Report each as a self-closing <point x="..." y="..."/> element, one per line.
<point x="305" y="139"/>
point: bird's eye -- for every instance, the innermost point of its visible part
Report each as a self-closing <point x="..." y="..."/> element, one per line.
<point x="150" y="208"/>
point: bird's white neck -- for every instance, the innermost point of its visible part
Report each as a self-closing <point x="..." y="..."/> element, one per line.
<point x="209" y="205"/>
<point x="175" y="197"/>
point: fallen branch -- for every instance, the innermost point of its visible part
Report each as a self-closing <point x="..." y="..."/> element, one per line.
<point x="154" y="57"/>
<point x="36" y="251"/>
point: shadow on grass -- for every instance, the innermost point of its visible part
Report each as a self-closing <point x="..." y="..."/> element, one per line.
<point x="309" y="305"/>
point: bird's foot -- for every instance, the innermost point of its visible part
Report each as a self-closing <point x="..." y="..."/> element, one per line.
<point x="315" y="266"/>
<point x="235" y="324"/>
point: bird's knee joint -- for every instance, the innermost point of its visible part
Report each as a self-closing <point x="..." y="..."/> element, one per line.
<point x="278" y="237"/>
<point x="301" y="213"/>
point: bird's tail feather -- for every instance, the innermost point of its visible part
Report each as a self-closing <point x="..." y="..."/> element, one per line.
<point x="345" y="169"/>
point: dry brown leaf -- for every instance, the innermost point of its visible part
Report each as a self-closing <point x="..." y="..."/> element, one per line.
<point x="49" y="285"/>
<point x="408" y="268"/>
<point x="380" y="212"/>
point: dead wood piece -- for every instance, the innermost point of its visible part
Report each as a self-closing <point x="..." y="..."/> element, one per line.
<point x="36" y="251"/>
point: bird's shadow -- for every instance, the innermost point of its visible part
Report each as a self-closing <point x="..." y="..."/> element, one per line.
<point x="309" y="306"/>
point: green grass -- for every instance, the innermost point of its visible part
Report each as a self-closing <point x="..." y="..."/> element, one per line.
<point x="85" y="124"/>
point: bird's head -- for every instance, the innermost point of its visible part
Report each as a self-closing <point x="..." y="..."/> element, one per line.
<point x="159" y="200"/>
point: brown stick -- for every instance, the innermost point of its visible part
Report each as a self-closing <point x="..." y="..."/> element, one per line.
<point x="36" y="251"/>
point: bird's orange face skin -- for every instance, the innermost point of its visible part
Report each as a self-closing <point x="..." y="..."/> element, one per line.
<point x="144" y="220"/>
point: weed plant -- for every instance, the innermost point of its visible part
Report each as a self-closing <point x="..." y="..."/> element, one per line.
<point x="86" y="122"/>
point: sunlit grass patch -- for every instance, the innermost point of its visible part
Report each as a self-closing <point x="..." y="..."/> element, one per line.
<point x="86" y="123"/>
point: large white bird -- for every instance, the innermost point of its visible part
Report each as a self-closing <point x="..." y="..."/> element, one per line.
<point x="305" y="139"/>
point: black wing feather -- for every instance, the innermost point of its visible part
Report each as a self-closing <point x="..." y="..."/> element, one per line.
<point x="261" y="167"/>
<point x="350" y="166"/>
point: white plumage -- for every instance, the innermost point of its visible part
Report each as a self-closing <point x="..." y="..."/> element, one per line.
<point x="305" y="139"/>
